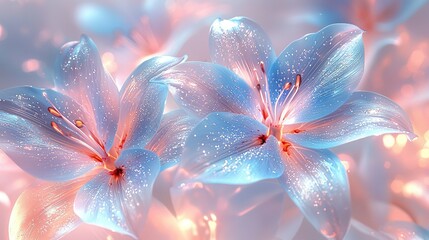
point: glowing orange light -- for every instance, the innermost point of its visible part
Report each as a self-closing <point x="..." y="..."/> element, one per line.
<point x="4" y="199"/>
<point x="388" y="141"/>
<point x="187" y="225"/>
<point x="401" y="140"/>
<point x="424" y="153"/>
<point x="413" y="189"/>
<point x="109" y="62"/>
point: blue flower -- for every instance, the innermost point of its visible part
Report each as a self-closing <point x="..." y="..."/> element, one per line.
<point x="105" y="147"/>
<point x="274" y="117"/>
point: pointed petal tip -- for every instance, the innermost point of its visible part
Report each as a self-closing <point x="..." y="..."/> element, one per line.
<point x="84" y="38"/>
<point x="412" y="136"/>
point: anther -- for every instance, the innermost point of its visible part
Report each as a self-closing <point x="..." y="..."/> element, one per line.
<point x="298" y="80"/>
<point x="54" y="112"/>
<point x="287" y="86"/>
<point x="55" y="126"/>
<point x="261" y="64"/>
<point x="78" y="123"/>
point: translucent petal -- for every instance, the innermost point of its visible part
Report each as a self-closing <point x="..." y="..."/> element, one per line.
<point x="81" y="76"/>
<point x="240" y="45"/>
<point x="45" y="212"/>
<point x="170" y="138"/>
<point x="358" y="231"/>
<point x="406" y="231"/>
<point x="232" y="149"/>
<point x="330" y="63"/>
<point x="120" y="203"/>
<point x="37" y="132"/>
<point x="203" y="88"/>
<point x="142" y="103"/>
<point x="364" y="114"/>
<point x="250" y="211"/>
<point x="317" y="182"/>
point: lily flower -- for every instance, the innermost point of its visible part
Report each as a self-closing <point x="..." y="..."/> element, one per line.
<point x="382" y="21"/>
<point x="102" y="147"/>
<point x="134" y="31"/>
<point x="275" y="117"/>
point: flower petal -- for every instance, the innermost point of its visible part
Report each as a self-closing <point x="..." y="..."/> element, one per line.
<point x="170" y="138"/>
<point x="317" y="182"/>
<point x="142" y="103"/>
<point x="240" y="45"/>
<point x="364" y="114"/>
<point x="120" y="204"/>
<point x="330" y="63"/>
<point x="358" y="230"/>
<point x="406" y="230"/>
<point x="37" y="132"/>
<point x="45" y="212"/>
<point x="232" y="149"/>
<point x="250" y="211"/>
<point x="81" y="76"/>
<point x="203" y="88"/>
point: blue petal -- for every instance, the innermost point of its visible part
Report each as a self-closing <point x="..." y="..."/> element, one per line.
<point x="406" y="230"/>
<point x="120" y="204"/>
<point x="232" y="149"/>
<point x="364" y="114"/>
<point x="170" y="138"/>
<point x="241" y="45"/>
<point x="28" y="136"/>
<point x="203" y="88"/>
<point x="45" y="212"/>
<point x="317" y="182"/>
<point x="81" y="76"/>
<point x="142" y="103"/>
<point x="101" y="20"/>
<point x="330" y="63"/>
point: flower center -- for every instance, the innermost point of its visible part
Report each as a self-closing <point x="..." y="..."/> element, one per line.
<point x="117" y="175"/>
<point x="274" y="114"/>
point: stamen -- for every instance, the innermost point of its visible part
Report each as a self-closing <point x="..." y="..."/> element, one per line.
<point x="84" y="140"/>
<point x="54" y="112"/>
<point x="287" y="86"/>
<point x="57" y="128"/>
<point x="284" y="105"/>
